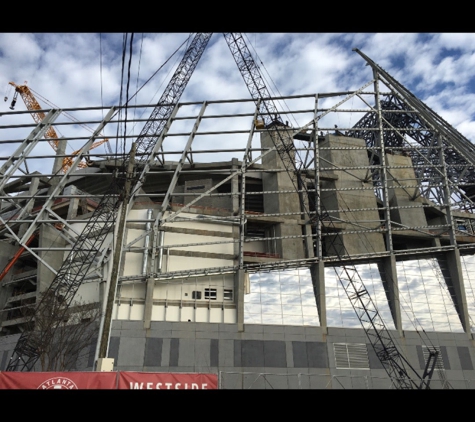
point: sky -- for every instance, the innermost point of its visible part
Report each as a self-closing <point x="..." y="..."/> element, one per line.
<point x="84" y="69"/>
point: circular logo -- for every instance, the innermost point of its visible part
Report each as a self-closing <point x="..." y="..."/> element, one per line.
<point x="58" y="383"/>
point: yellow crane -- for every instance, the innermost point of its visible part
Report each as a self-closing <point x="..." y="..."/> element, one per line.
<point x="32" y="104"/>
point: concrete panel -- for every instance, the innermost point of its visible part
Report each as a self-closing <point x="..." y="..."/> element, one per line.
<point x="465" y="358"/>
<point x="174" y="352"/>
<point x="159" y="333"/>
<point x="299" y="350"/>
<point x="226" y="353"/>
<point x="214" y="353"/>
<point x="254" y="328"/>
<point x="231" y="380"/>
<point x="294" y="337"/>
<point x="183" y="334"/>
<point x="230" y="328"/>
<point x="187" y="352"/>
<point x="114" y="345"/>
<point x="131" y="352"/>
<point x="133" y="333"/>
<point x="274" y="354"/>
<point x="274" y="329"/>
<point x="317" y="355"/>
<point x="132" y="325"/>
<point x="153" y="351"/>
<point x="161" y="325"/>
<point x="293" y="329"/>
<point x="202" y="354"/>
<point x="252" y="353"/>
<point x="166" y="347"/>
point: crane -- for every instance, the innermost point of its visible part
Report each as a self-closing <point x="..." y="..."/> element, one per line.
<point x="70" y="276"/>
<point x="38" y="115"/>
<point x="76" y="266"/>
<point x="395" y="364"/>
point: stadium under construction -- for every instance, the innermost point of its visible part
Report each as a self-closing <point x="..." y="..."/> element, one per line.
<point x="264" y="244"/>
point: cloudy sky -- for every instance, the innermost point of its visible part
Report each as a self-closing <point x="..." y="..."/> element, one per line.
<point x="66" y="68"/>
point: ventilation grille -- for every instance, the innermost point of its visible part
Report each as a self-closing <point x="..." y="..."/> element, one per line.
<point x="351" y="356"/>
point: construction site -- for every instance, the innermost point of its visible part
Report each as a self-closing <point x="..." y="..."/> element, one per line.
<point x="261" y="243"/>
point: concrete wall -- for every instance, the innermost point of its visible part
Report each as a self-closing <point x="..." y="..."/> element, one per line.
<point x="349" y="198"/>
<point x="270" y="356"/>
<point x="267" y="356"/>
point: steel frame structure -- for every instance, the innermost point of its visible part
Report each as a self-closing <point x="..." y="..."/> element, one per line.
<point x="393" y="121"/>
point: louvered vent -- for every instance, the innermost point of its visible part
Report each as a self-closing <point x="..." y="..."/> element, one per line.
<point x="351" y="356"/>
<point x="440" y="362"/>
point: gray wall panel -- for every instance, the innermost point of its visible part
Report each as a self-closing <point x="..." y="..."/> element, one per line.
<point x="214" y="352"/>
<point x="252" y="353"/>
<point x="174" y="351"/>
<point x="299" y="349"/>
<point x="317" y="354"/>
<point x="465" y="358"/>
<point x="153" y="351"/>
<point x="114" y="345"/>
<point x="274" y="354"/>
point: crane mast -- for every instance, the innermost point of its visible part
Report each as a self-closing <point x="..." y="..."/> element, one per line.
<point x="90" y="242"/>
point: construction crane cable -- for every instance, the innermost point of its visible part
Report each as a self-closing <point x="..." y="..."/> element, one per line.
<point x="272" y="81"/>
<point x="138" y="72"/>
<point x="127" y="91"/>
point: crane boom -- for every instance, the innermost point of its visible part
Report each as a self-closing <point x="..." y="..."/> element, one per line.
<point x="396" y="366"/>
<point x="90" y="242"/>
<point x="38" y="115"/>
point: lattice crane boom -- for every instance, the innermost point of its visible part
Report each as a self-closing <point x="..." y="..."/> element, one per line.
<point x="90" y="242"/>
<point x="393" y="361"/>
<point x="38" y="115"/>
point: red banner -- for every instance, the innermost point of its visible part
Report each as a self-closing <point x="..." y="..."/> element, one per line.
<point x="58" y="380"/>
<point x="107" y="381"/>
<point x="166" y="381"/>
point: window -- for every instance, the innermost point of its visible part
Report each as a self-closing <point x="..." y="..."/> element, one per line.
<point x="196" y="294"/>
<point x="351" y="356"/>
<point x="210" y="294"/>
